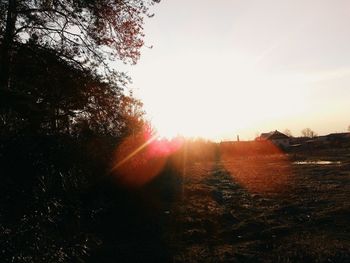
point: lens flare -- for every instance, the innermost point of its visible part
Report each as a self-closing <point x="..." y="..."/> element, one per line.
<point x="141" y="157"/>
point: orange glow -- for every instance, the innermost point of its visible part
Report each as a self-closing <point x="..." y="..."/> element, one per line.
<point x="237" y="106"/>
<point x="140" y="158"/>
<point x="260" y="167"/>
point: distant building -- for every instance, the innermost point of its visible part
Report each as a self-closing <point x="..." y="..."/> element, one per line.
<point x="276" y="137"/>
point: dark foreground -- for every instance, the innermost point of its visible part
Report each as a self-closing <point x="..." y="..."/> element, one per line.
<point x="265" y="208"/>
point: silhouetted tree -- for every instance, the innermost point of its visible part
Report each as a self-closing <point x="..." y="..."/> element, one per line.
<point x="41" y="41"/>
<point x="56" y="96"/>
<point x="132" y="115"/>
<point x="307" y="132"/>
<point x="48" y="177"/>
<point x="87" y="32"/>
<point x="55" y="80"/>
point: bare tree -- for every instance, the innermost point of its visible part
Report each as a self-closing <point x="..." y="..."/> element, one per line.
<point x="288" y="132"/>
<point x="307" y="132"/>
<point x="91" y="33"/>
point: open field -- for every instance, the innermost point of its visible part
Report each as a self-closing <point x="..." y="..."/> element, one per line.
<point x="217" y="208"/>
<point x="264" y="209"/>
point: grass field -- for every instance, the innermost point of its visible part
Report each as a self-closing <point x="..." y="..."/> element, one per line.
<point x="205" y="205"/>
<point x="263" y="209"/>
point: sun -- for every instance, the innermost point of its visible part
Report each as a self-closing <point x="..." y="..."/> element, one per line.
<point x="223" y="102"/>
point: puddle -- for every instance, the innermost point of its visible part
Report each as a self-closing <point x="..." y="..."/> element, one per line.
<point x="319" y="162"/>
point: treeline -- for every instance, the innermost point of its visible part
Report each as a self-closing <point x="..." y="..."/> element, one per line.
<point x="50" y="96"/>
<point x="60" y="127"/>
<point x="63" y="114"/>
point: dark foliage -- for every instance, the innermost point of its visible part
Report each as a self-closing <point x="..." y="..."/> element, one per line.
<point x="85" y="32"/>
<point x="60" y="126"/>
<point x="63" y="112"/>
<point x="60" y="204"/>
<point x="51" y="96"/>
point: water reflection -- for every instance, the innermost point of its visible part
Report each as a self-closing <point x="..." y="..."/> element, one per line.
<point x="318" y="162"/>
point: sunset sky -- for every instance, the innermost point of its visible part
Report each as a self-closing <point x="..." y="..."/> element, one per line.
<point x="227" y="67"/>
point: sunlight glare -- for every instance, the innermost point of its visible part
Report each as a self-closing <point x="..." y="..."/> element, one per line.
<point x="203" y="101"/>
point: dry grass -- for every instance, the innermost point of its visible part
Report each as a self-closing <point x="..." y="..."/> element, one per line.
<point x="263" y="209"/>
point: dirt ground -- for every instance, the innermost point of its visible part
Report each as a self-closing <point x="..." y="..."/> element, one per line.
<point x="278" y="208"/>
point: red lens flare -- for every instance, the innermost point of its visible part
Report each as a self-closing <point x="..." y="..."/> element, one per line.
<point x="140" y="158"/>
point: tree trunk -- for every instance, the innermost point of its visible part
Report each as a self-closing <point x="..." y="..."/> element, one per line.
<point x="7" y="45"/>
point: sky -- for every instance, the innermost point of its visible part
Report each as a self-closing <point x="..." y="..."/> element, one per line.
<point x="222" y="68"/>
